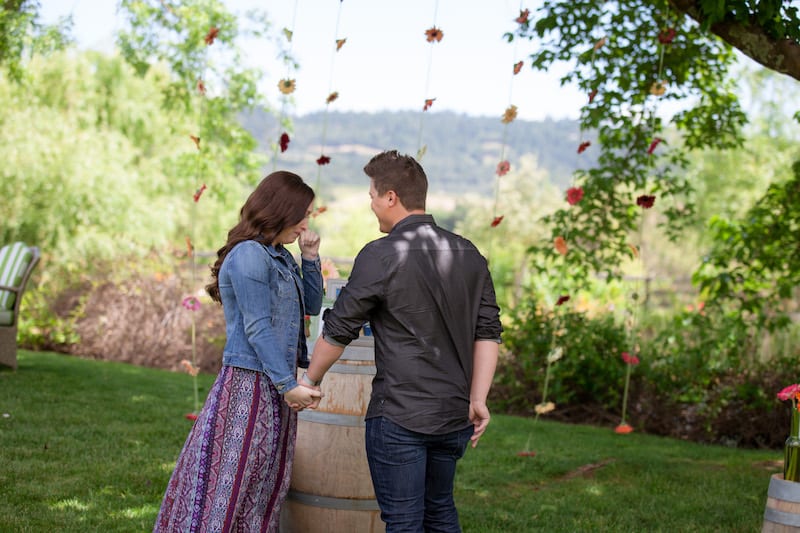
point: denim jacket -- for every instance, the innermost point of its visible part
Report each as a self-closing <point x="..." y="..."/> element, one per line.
<point x="265" y="298"/>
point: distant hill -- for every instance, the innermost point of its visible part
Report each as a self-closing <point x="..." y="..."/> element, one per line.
<point x="461" y="156"/>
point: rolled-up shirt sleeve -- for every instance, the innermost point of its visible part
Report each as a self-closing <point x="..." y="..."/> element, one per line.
<point x="488" y="326"/>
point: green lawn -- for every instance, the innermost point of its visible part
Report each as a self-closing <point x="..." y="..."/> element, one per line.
<point x="89" y="446"/>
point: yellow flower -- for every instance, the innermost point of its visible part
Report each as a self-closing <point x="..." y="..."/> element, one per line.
<point x="543" y="408"/>
<point x="286" y="86"/>
<point x="510" y="114"/>
<point x="658" y="88"/>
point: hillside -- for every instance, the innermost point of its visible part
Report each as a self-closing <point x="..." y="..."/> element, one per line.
<point x="461" y="156"/>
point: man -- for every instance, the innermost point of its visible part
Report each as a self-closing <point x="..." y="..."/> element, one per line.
<point x="429" y="298"/>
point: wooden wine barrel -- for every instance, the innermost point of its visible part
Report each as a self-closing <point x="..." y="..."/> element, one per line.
<point x="331" y="489"/>
<point x="782" y="513"/>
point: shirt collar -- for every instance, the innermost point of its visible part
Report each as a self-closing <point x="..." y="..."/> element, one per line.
<point x="410" y="220"/>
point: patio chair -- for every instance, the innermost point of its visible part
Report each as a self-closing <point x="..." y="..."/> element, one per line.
<point x="17" y="261"/>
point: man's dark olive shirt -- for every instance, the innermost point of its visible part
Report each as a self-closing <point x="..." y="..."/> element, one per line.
<point x="428" y="296"/>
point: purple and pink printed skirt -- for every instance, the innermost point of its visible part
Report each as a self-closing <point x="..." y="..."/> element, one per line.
<point x="234" y="471"/>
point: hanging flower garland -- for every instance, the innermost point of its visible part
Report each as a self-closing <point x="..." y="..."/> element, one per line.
<point x="433" y="35"/>
<point x="286" y="87"/>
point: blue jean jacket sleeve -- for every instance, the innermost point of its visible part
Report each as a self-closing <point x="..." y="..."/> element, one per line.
<point x="312" y="286"/>
<point x="260" y="310"/>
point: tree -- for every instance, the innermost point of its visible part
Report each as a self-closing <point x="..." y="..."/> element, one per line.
<point x="657" y="78"/>
<point x="21" y="33"/>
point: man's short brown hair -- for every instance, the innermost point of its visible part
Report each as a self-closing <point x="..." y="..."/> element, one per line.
<point x="399" y="173"/>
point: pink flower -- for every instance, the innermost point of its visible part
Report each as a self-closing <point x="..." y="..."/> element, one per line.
<point x="503" y="167"/>
<point x="653" y="145"/>
<point x="574" y="195"/>
<point x="630" y="359"/>
<point x="789" y="393"/>
<point x="191" y="303"/>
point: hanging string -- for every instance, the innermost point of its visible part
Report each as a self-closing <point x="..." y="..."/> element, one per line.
<point x="323" y="159"/>
<point x="434" y="35"/>
<point x="282" y="143"/>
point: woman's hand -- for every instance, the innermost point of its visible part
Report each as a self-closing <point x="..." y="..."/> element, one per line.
<point x="301" y="397"/>
<point x="309" y="244"/>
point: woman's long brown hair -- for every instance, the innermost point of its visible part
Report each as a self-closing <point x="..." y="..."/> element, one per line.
<point x="278" y="202"/>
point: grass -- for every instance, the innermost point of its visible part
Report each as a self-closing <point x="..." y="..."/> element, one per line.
<point x="89" y="446"/>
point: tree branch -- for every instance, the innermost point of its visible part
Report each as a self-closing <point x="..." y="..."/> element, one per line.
<point x="780" y="55"/>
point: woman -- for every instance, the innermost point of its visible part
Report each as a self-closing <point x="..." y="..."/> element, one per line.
<point x="234" y="471"/>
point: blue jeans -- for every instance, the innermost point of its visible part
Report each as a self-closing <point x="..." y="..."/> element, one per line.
<point x="413" y="474"/>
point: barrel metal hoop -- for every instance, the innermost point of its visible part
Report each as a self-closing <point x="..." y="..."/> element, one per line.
<point x="779" y="517"/>
<point x="328" y="502"/>
<point x="339" y="368"/>
<point x="784" y="490"/>
<point x="333" y="419"/>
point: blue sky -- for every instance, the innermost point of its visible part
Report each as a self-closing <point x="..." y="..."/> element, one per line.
<point x="386" y="63"/>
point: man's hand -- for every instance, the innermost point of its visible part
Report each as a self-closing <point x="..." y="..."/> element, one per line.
<point x="479" y="416"/>
<point x="301" y="397"/>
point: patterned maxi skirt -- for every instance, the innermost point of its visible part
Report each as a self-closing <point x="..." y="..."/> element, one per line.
<point x="235" y="467"/>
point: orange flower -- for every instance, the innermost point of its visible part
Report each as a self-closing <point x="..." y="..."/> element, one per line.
<point x="560" y="244"/>
<point x="497" y="220"/>
<point x="191" y="416"/>
<point x="189" y="367"/>
<point x="634" y="250"/>
<point x="658" y="88"/>
<point x="331" y="97"/>
<point x="286" y="86"/>
<point x="510" y="114"/>
<point x="623" y="429"/>
<point x="428" y="103"/>
<point x="434" y="34"/>
<point x="583" y="146"/>
<point x="319" y="211"/>
<point x="517" y="67"/>
<point x="211" y="35"/>
<point x="599" y="44"/>
<point x="196" y="140"/>
<point x="201" y="87"/>
<point x="189" y="246"/>
<point x="340" y="43"/>
<point x="523" y="16"/>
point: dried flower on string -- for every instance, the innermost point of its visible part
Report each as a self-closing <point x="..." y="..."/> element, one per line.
<point x="201" y="87"/>
<point x="555" y="354"/>
<point x="189" y="367"/>
<point x="599" y="44"/>
<point x="503" y="167"/>
<point x="518" y="67"/>
<point x="288" y="34"/>
<point x="574" y="195"/>
<point x="560" y="244"/>
<point x="523" y="16"/>
<point x="623" y="429"/>
<point x="211" y="35"/>
<point x="428" y="103"/>
<point x="421" y="152"/>
<point x="434" y="34"/>
<point x="653" y="145"/>
<point x="332" y="97"/>
<point x="199" y="192"/>
<point x="658" y="88"/>
<point x="667" y="35"/>
<point x="592" y="95"/>
<point x="323" y="160"/>
<point x="543" y="408"/>
<point x="286" y="86"/>
<point x="630" y="359"/>
<point x="340" y="43"/>
<point x="189" y="246"/>
<point x="196" y="140"/>
<point x="562" y="300"/>
<point x="634" y="250"/>
<point x="318" y="211"/>
<point x="510" y="114"/>
<point x="497" y="220"/>
<point x="284" y="141"/>
<point x="583" y="146"/>
<point x="645" y="201"/>
<point x="191" y="303"/>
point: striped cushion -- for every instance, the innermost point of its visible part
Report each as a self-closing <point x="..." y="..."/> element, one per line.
<point x="14" y="259"/>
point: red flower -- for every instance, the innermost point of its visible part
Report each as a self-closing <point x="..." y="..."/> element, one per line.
<point x="199" y="192"/>
<point x="630" y="359"/>
<point x="592" y="95"/>
<point x="201" y="87"/>
<point x="323" y="160"/>
<point x="211" y="35"/>
<point x="517" y="67"/>
<point x="562" y="300"/>
<point x="497" y="220"/>
<point x="318" y="211"/>
<point x="623" y="429"/>
<point x="191" y="303"/>
<point x="191" y="416"/>
<point x="653" y="145"/>
<point x="428" y="103"/>
<point x="284" y="142"/>
<point x="434" y="34"/>
<point x="331" y="97"/>
<point x="523" y="16"/>
<point x="646" y="201"/>
<point x="502" y="168"/>
<point x="583" y="146"/>
<point x="667" y="35"/>
<point x="526" y="454"/>
<point x="574" y="195"/>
